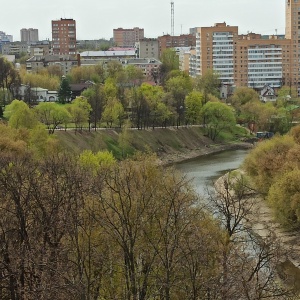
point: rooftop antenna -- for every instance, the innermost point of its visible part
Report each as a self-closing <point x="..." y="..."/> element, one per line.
<point x="172" y="18"/>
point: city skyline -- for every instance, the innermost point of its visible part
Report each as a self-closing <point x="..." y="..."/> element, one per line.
<point x="97" y="19"/>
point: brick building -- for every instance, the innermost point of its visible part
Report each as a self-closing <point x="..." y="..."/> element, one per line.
<point x="64" y="37"/>
<point x="127" y="37"/>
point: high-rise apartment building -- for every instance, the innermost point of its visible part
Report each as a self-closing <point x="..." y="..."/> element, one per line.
<point x="6" y="37"/>
<point x="127" y="37"/>
<point x="262" y="60"/>
<point x="29" y="35"/>
<point x="64" y="37"/>
<point x="215" y="50"/>
<point x="292" y="32"/>
<point x="251" y="60"/>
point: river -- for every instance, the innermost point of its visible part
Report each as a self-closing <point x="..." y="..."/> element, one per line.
<point x="204" y="170"/>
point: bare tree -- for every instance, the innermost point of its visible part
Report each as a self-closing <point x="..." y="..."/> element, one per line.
<point x="249" y="262"/>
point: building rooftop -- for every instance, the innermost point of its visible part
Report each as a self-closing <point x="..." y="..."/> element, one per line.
<point x="107" y="53"/>
<point x="52" y="58"/>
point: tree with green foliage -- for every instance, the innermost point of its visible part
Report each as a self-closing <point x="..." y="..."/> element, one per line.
<point x="208" y="83"/>
<point x="19" y="115"/>
<point x="40" y="141"/>
<point x="113" y="112"/>
<point x="284" y="198"/>
<point x="95" y="96"/>
<point x="155" y="111"/>
<point x="125" y="138"/>
<point x="148" y="106"/>
<point x="114" y="69"/>
<point x="94" y="161"/>
<point x="170" y="61"/>
<point x="52" y="115"/>
<point x="43" y="78"/>
<point x="110" y="89"/>
<point x="87" y="227"/>
<point x="94" y="73"/>
<point x="219" y="117"/>
<point x="12" y="140"/>
<point x="286" y="94"/>
<point x="134" y="76"/>
<point x="179" y="87"/>
<point x="161" y="114"/>
<point x="259" y="114"/>
<point x="80" y="111"/>
<point x="55" y="71"/>
<point x="295" y="133"/>
<point x="280" y="122"/>
<point x="266" y="161"/>
<point x="64" y="92"/>
<point x="193" y="105"/>
<point x="145" y="210"/>
<point x="241" y="96"/>
<point x="9" y="81"/>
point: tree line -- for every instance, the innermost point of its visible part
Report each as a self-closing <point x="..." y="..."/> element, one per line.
<point x="88" y="227"/>
<point x="120" y="94"/>
<point x="274" y="168"/>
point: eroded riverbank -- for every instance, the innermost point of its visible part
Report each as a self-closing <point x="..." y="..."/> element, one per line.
<point x="263" y="224"/>
<point x="169" y="159"/>
<point x="260" y="219"/>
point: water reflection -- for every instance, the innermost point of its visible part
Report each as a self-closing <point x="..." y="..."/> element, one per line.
<point x="206" y="169"/>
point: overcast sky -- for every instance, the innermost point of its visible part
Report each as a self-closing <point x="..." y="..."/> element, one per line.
<point x="97" y="18"/>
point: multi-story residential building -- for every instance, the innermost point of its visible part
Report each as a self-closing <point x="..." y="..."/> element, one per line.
<point x="261" y="61"/>
<point x="41" y="48"/>
<point x="90" y="57"/>
<point x="15" y="48"/>
<point x="292" y="32"/>
<point x="127" y="37"/>
<point x="65" y="62"/>
<point x="169" y="41"/>
<point x="192" y="63"/>
<point x="251" y="60"/>
<point x="64" y="37"/>
<point x="29" y="35"/>
<point x="184" y="58"/>
<point x="147" y="48"/>
<point x="147" y="65"/>
<point x="215" y="50"/>
<point x="6" y="37"/>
